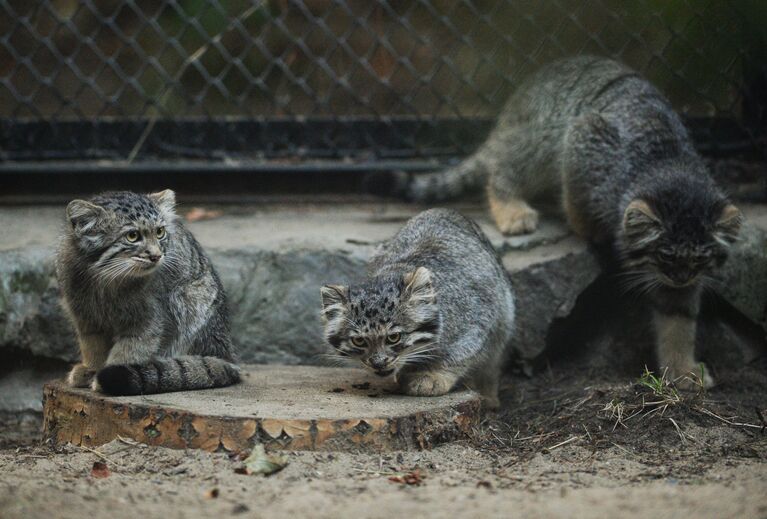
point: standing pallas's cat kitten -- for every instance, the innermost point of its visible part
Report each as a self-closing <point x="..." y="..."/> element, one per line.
<point x="436" y="309"/>
<point x="594" y="133"/>
<point x="148" y="308"/>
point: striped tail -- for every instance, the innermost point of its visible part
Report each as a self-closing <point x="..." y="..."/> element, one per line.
<point x="429" y="187"/>
<point x="163" y="375"/>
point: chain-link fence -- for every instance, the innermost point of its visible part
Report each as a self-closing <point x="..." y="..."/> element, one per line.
<point x="342" y="83"/>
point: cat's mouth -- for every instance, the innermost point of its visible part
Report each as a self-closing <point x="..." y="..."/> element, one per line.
<point x="678" y="283"/>
<point x="384" y="372"/>
<point x="144" y="265"/>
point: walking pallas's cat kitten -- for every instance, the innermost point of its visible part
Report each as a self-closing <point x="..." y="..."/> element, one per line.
<point x="147" y="306"/>
<point x="436" y="310"/>
<point x="603" y="140"/>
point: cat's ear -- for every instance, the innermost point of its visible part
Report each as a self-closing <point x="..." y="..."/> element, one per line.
<point x="419" y="286"/>
<point x="83" y="216"/>
<point x="639" y="218"/>
<point x="334" y="298"/>
<point x="164" y="200"/>
<point x="728" y="225"/>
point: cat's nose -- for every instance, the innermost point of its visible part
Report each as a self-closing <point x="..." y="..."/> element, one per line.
<point x="154" y="258"/>
<point x="683" y="277"/>
<point x="378" y="362"/>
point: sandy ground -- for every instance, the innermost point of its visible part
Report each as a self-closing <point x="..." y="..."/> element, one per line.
<point x="565" y="444"/>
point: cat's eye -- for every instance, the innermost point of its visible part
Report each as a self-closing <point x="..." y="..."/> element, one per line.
<point x="665" y="255"/>
<point x="160" y="232"/>
<point x="393" y="338"/>
<point x="132" y="236"/>
<point x="358" y="341"/>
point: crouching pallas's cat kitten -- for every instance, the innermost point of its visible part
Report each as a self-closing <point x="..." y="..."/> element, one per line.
<point x="436" y="310"/>
<point x="148" y="309"/>
<point x="603" y="140"/>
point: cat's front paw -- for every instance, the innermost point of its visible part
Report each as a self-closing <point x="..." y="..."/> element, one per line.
<point x="514" y="216"/>
<point x="95" y="386"/>
<point x="427" y="383"/>
<point x="80" y="376"/>
<point x="491" y="402"/>
<point x="691" y="378"/>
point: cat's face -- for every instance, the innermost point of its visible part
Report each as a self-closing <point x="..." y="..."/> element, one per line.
<point x="668" y="246"/>
<point x="386" y="324"/>
<point x="123" y="235"/>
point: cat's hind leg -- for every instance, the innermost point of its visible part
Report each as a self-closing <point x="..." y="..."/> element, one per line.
<point x="512" y="216"/>
<point x="522" y="165"/>
<point x="590" y="159"/>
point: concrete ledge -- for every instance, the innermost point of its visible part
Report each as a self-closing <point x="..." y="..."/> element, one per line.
<point x="273" y="260"/>
<point x="272" y="263"/>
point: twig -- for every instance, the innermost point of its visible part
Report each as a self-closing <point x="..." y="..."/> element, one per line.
<point x="563" y="443"/>
<point x="725" y="420"/>
<point x="379" y="472"/>
<point x="129" y="441"/>
<point x="100" y="455"/>
<point x="623" y="448"/>
<point x="761" y="418"/>
<point x="678" y="430"/>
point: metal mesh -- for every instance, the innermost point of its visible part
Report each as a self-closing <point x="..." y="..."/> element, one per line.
<point x="351" y="81"/>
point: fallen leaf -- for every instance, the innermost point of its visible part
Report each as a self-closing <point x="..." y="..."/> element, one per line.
<point x="100" y="470"/>
<point x="411" y="478"/>
<point x="212" y="493"/>
<point x="197" y="214"/>
<point x="260" y="462"/>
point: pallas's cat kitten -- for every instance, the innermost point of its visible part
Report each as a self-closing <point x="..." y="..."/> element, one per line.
<point x="436" y="310"/>
<point x="603" y="140"/>
<point x="147" y="306"/>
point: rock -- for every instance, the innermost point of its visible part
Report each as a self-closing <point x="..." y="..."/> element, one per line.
<point x="547" y="281"/>
<point x="744" y="277"/>
<point x="31" y="319"/>
<point x="275" y="298"/>
<point x="272" y="278"/>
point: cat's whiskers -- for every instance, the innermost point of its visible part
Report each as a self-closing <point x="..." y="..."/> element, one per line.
<point x="417" y="354"/>
<point x="115" y="269"/>
<point x="335" y="359"/>
<point x="637" y="282"/>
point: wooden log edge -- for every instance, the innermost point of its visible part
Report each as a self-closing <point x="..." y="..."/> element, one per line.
<point x="87" y="419"/>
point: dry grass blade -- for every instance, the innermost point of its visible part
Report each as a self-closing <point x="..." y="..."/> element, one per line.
<point x="679" y="431"/>
<point x="99" y="454"/>
<point x="725" y="420"/>
<point x="561" y="444"/>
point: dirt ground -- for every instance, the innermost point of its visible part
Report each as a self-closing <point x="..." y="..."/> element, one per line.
<point x="573" y="441"/>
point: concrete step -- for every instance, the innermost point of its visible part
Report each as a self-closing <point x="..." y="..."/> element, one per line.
<point x="273" y="259"/>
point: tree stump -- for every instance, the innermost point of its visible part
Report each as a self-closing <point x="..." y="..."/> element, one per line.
<point x="282" y="407"/>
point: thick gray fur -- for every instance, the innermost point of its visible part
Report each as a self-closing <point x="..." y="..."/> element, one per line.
<point x="439" y="287"/>
<point x="150" y="313"/>
<point x="606" y="143"/>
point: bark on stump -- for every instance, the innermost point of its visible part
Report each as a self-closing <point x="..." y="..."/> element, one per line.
<point x="282" y="407"/>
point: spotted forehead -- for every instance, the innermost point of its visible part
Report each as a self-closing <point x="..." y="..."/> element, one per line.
<point x="130" y="206"/>
<point x="374" y="306"/>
